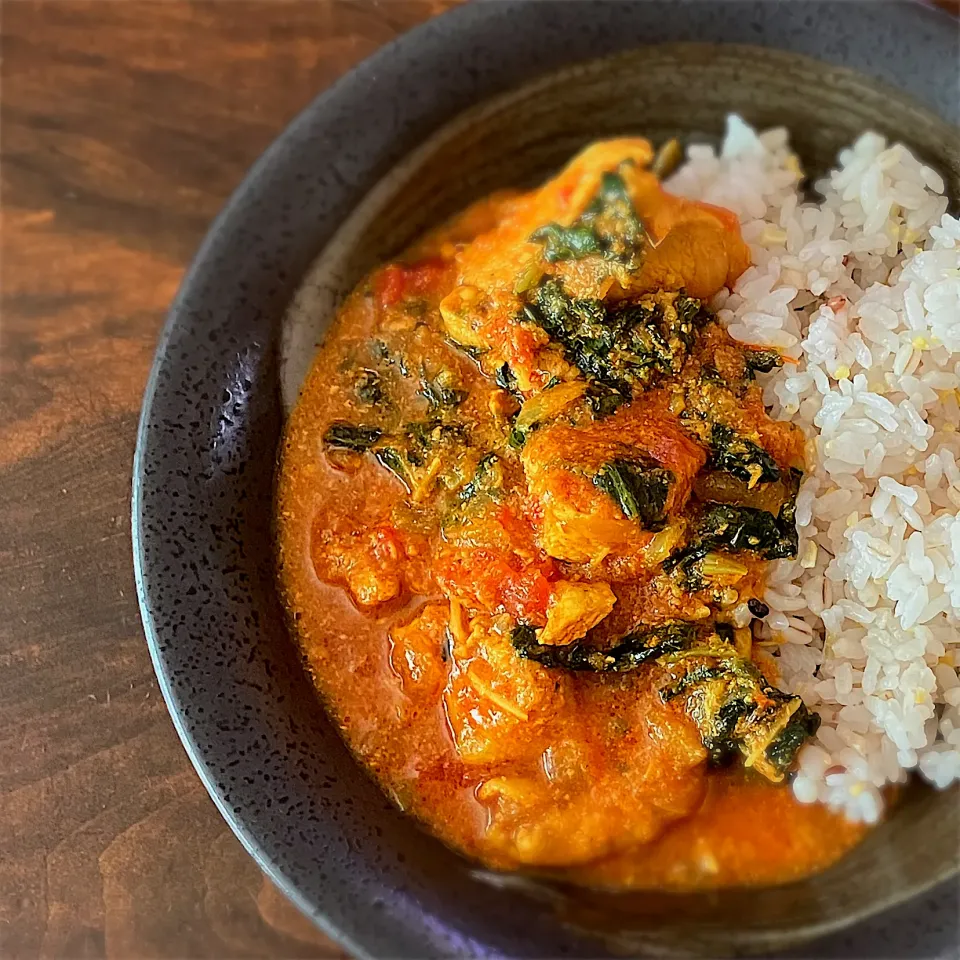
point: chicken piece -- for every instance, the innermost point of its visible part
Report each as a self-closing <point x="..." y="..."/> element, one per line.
<point x="573" y="609"/>
<point x="696" y="247"/>
<point x="498" y="705"/>
<point x="607" y="783"/>
<point x="369" y="563"/>
<point x="611" y="486"/>
<point x="605" y="229"/>
<point x="417" y="651"/>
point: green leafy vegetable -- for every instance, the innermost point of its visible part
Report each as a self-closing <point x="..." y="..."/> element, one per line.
<point x="439" y="392"/>
<point x="783" y="749"/>
<point x="722" y="526"/>
<point x="517" y="438"/>
<point x="604" y="400"/>
<point x="369" y="388"/>
<point x="567" y="243"/>
<point x="628" y="345"/>
<point x="347" y="436"/>
<point x="608" y="227"/>
<point x="736" y="710"/>
<point x="744" y="528"/>
<point x="486" y="478"/>
<point x="421" y="437"/>
<point x="393" y="461"/>
<point x="381" y="352"/>
<point x="507" y="381"/>
<point x="762" y="361"/>
<point x="633" y="650"/>
<point x="740" y="457"/>
<point x="640" y="488"/>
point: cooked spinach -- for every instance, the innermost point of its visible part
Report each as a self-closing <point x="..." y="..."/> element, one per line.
<point x="347" y="436"/>
<point x="713" y="376"/>
<point x="621" y="347"/>
<point x="736" y="710"/>
<point x="762" y="361"/>
<point x="368" y="387"/>
<point x="640" y="488"/>
<point x="421" y="437"/>
<point x="725" y="631"/>
<point x="438" y="391"/>
<point x="717" y="729"/>
<point x="604" y="400"/>
<point x="723" y="525"/>
<point x="507" y="381"/>
<point x="782" y="750"/>
<point x="486" y="478"/>
<point x="684" y="566"/>
<point x="400" y="451"/>
<point x="740" y="457"/>
<point x="393" y="461"/>
<point x="567" y="243"/>
<point x="517" y="438"/>
<point x="380" y="351"/>
<point x="633" y="650"/>
<point x="608" y="227"/>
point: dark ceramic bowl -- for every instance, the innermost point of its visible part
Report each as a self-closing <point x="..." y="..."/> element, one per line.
<point x="386" y="152"/>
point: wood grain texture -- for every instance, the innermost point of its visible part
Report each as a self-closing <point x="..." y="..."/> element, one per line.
<point x="124" y="127"/>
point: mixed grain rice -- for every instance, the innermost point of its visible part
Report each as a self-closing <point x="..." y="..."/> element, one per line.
<point x="863" y="291"/>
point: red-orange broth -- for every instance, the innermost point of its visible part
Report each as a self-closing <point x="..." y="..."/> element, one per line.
<point x="508" y="438"/>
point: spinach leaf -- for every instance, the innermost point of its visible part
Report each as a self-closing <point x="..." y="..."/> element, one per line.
<point x="392" y="460"/>
<point x="628" y="345"/>
<point x="566" y="243"/>
<point x="506" y="380"/>
<point x="762" y="361"/>
<point x="485" y="478"/>
<point x="347" y="436"/>
<point x="633" y="650"/>
<point x="723" y="525"/>
<point x="604" y="400"/>
<point x="381" y="352"/>
<point x="517" y="438"/>
<point x="740" y="457"/>
<point x="640" y="488"/>
<point x="783" y="749"/>
<point x="439" y="393"/>
<point x="609" y="226"/>
<point x="368" y="387"/>
<point x="421" y="437"/>
<point x="684" y="565"/>
<point x="736" y="710"/>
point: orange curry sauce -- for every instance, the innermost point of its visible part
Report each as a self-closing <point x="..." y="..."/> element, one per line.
<point x="476" y="485"/>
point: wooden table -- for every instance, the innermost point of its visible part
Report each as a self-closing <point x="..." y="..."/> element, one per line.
<point x="125" y="126"/>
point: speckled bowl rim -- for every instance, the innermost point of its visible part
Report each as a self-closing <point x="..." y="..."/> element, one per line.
<point x="433" y="38"/>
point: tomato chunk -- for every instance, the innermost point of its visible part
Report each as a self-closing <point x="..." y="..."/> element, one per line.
<point x="398" y="281"/>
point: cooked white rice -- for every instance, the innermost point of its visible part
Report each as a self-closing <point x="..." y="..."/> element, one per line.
<point x="863" y="290"/>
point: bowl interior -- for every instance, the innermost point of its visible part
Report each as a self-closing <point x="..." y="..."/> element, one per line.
<point x="202" y="502"/>
<point x="682" y="90"/>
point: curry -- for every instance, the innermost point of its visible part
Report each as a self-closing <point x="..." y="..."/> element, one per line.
<point x="526" y="503"/>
